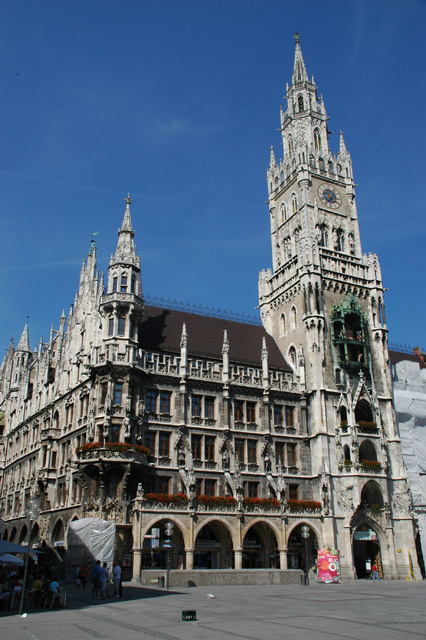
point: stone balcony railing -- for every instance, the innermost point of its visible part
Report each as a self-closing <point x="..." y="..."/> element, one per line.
<point x="102" y="453"/>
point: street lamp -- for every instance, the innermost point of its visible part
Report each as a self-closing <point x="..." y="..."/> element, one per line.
<point x="32" y="512"/>
<point x="168" y="530"/>
<point x="305" y="535"/>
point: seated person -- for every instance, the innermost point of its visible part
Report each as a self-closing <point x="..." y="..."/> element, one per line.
<point x="54" y="585"/>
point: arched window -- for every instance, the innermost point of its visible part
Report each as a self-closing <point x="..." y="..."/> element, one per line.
<point x="290" y="144"/>
<point x="283" y="328"/>
<point x="114" y="284"/>
<point x="321" y="164"/>
<point x="293" y="203"/>
<point x="282" y="177"/>
<point x="121" y="325"/>
<point x="317" y="140"/>
<point x="293" y="318"/>
<point x="292" y="356"/>
<point x="343" y="412"/>
<point x="300" y="101"/>
<point x="339" y="243"/>
<point x="324" y="236"/>
<point x="330" y="167"/>
<point x="363" y="412"/>
<point x="133" y="285"/>
<point x="312" y="162"/>
<point x="367" y="451"/>
<point x="347" y="453"/>
<point x="283" y="213"/>
<point x="339" y="169"/>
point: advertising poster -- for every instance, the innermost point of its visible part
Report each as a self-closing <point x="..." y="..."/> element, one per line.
<point x="328" y="566"/>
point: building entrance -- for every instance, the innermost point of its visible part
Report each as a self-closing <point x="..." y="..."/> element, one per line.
<point x="366" y="550"/>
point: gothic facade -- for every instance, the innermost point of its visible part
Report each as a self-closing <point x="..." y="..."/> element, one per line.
<point x="238" y="434"/>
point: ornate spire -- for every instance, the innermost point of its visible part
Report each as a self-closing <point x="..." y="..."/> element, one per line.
<point x="299" y="70"/>
<point x="24" y="343"/>
<point x="272" y="161"/>
<point x="125" y="247"/>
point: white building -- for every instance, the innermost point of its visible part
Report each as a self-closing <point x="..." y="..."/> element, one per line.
<point x="237" y="434"/>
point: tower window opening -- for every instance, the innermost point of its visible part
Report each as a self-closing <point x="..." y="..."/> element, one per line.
<point x="339" y="169"/>
<point x="301" y="105"/>
<point x="111" y="326"/>
<point x="294" y="204"/>
<point x="290" y="144"/>
<point x="133" y="285"/>
<point x="330" y="167"/>
<point x="321" y="164"/>
<point x="114" y="284"/>
<point x="121" y="325"/>
<point x="293" y="356"/>
<point x="317" y="140"/>
<point x="123" y="287"/>
<point x="293" y="318"/>
<point x="282" y="177"/>
<point x="312" y="162"/>
<point x="323" y="236"/>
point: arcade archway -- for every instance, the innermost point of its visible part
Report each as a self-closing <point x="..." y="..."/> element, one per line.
<point x="366" y="551"/>
<point x="260" y="548"/>
<point x="300" y="548"/>
<point x="213" y="547"/>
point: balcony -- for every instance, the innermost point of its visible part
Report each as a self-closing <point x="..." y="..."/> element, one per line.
<point x="112" y="451"/>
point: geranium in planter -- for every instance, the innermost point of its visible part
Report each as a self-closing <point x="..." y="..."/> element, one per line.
<point x="165" y="498"/>
<point x="303" y="505"/>
<point x="216" y="500"/>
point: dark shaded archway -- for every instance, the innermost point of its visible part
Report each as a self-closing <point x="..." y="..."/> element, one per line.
<point x="260" y="548"/>
<point x="213" y="547"/>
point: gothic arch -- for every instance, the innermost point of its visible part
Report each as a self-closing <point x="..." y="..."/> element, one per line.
<point x="260" y="540"/>
<point x="292" y="354"/>
<point x="363" y="411"/>
<point x="283" y="326"/>
<point x="283" y="213"/>
<point x="293" y="201"/>
<point x="208" y="539"/>
<point x="367" y="451"/>
<point x="293" y="318"/>
<point x="13" y="534"/>
<point x="372" y="494"/>
<point x="159" y="518"/>
<point x="23" y="534"/>
<point x="58" y="533"/>
<point x="5" y="534"/>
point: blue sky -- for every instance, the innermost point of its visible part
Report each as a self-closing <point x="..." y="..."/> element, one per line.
<point x="177" y="102"/>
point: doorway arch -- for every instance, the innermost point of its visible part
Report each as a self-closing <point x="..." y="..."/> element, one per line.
<point x="213" y="547"/>
<point x="366" y="550"/>
<point x="260" y="547"/>
<point x="298" y="552"/>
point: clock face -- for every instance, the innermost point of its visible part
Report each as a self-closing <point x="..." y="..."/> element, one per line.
<point x="330" y="196"/>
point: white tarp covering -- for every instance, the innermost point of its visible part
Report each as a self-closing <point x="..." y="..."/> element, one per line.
<point x="89" y="540"/>
<point x="410" y="406"/>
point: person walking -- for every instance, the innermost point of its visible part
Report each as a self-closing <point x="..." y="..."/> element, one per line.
<point x="83" y="575"/>
<point x="104" y="580"/>
<point x="375" y="573"/>
<point x="96" y="579"/>
<point x="117" y="579"/>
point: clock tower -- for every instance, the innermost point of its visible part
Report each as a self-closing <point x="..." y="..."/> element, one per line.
<point x="322" y="301"/>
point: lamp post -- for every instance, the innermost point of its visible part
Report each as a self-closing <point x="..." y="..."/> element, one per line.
<point x="305" y="535"/>
<point x="32" y="512"/>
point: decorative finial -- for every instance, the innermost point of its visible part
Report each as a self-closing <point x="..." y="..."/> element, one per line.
<point x="128" y="200"/>
<point x="296" y="37"/>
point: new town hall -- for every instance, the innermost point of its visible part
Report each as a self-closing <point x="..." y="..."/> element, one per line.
<point x="237" y="434"/>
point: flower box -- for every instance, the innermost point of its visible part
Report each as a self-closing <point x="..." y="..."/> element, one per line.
<point x="298" y="506"/>
<point x="165" y="498"/>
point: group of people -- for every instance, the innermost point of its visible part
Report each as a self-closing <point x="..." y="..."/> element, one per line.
<point x="38" y="585"/>
<point x="101" y="579"/>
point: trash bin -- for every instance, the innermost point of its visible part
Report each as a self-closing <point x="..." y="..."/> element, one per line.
<point x="161" y="582"/>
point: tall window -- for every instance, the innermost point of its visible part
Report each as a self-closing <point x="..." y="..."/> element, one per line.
<point x="293" y="318"/>
<point x="293" y="204"/>
<point x="133" y="285"/>
<point x="301" y="105"/>
<point x="151" y="401"/>
<point x="121" y="325"/>
<point x="283" y="325"/>
<point x="104" y="391"/>
<point x="251" y="451"/>
<point x="164" y="444"/>
<point x="209" y="407"/>
<point x="239" y="410"/>
<point x="291" y="455"/>
<point x="209" y="448"/>
<point x="279" y="452"/>
<point x="196" y="406"/>
<point x="150" y="441"/>
<point x="317" y="140"/>
<point x="293" y="491"/>
<point x="278" y="415"/>
<point x="289" y="416"/>
<point x="239" y="450"/>
<point x="118" y="391"/>
<point x="196" y="447"/>
<point x="111" y="326"/>
<point x="163" y="485"/>
<point x="165" y="402"/>
<point x="114" y="284"/>
<point x="210" y="487"/>
<point x="252" y="489"/>
<point x="251" y="411"/>
<point x="123" y="287"/>
<point x="283" y="213"/>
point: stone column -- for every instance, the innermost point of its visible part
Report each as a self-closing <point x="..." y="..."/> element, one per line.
<point x="189" y="559"/>
<point x="238" y="558"/>
<point x="283" y="558"/>
<point x="137" y="563"/>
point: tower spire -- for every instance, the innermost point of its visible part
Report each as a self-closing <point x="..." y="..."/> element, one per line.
<point x="125" y="247"/>
<point x="299" y="70"/>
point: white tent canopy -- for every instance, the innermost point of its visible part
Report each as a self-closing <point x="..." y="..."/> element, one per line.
<point x="8" y="558"/>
